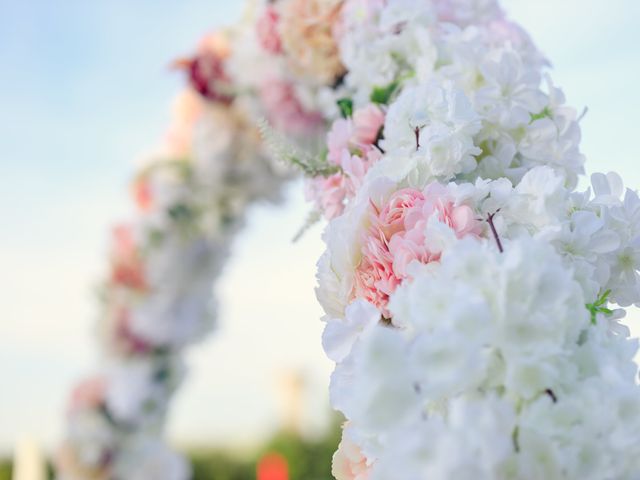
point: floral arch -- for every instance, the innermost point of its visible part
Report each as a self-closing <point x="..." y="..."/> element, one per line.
<point x="472" y="293"/>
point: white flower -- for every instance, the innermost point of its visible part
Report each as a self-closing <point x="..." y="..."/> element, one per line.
<point x="511" y="89"/>
<point x="434" y="124"/>
<point x="138" y="390"/>
<point x="340" y="334"/>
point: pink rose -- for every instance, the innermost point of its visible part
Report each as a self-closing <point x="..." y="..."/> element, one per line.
<point x="267" y="30"/>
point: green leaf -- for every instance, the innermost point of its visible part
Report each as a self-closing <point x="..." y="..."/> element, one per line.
<point x="346" y="107"/>
<point x="181" y="212"/>
<point x="382" y="95"/>
<point x="597" y="307"/>
<point x="545" y="113"/>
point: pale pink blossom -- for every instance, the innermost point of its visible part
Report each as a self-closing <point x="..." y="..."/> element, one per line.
<point x="267" y="30"/>
<point x="349" y="463"/>
<point x="367" y="123"/>
<point x="351" y="146"/>
<point x="328" y="193"/>
<point x="354" y="168"/>
<point x="339" y="139"/>
<point x="355" y="134"/>
<point x="284" y="110"/>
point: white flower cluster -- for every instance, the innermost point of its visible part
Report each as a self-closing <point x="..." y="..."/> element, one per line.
<point x="495" y="371"/>
<point x="157" y="299"/>
<point x="472" y="294"/>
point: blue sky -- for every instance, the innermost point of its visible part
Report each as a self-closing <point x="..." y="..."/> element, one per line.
<point x="85" y="90"/>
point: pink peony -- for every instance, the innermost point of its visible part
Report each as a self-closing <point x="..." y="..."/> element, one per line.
<point x="267" y="30"/>
<point x="348" y="462"/>
<point x="398" y="237"/>
<point x="284" y="109"/>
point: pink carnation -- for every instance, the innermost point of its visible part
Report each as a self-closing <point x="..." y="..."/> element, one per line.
<point x="397" y="237"/>
<point x="267" y="31"/>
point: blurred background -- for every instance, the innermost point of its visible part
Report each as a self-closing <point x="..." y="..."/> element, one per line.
<point x="85" y="89"/>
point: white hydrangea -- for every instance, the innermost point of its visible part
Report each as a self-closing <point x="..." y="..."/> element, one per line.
<point x="491" y="373"/>
<point x="432" y="125"/>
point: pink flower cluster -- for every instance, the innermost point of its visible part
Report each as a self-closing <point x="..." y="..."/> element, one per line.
<point x="351" y="146"/>
<point x="397" y="237"/>
<point x="127" y="268"/>
<point x="206" y="70"/>
<point x="284" y="109"/>
<point x="267" y="30"/>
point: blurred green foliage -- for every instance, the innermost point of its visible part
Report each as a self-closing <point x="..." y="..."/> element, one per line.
<point x="308" y="459"/>
<point x="5" y="470"/>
